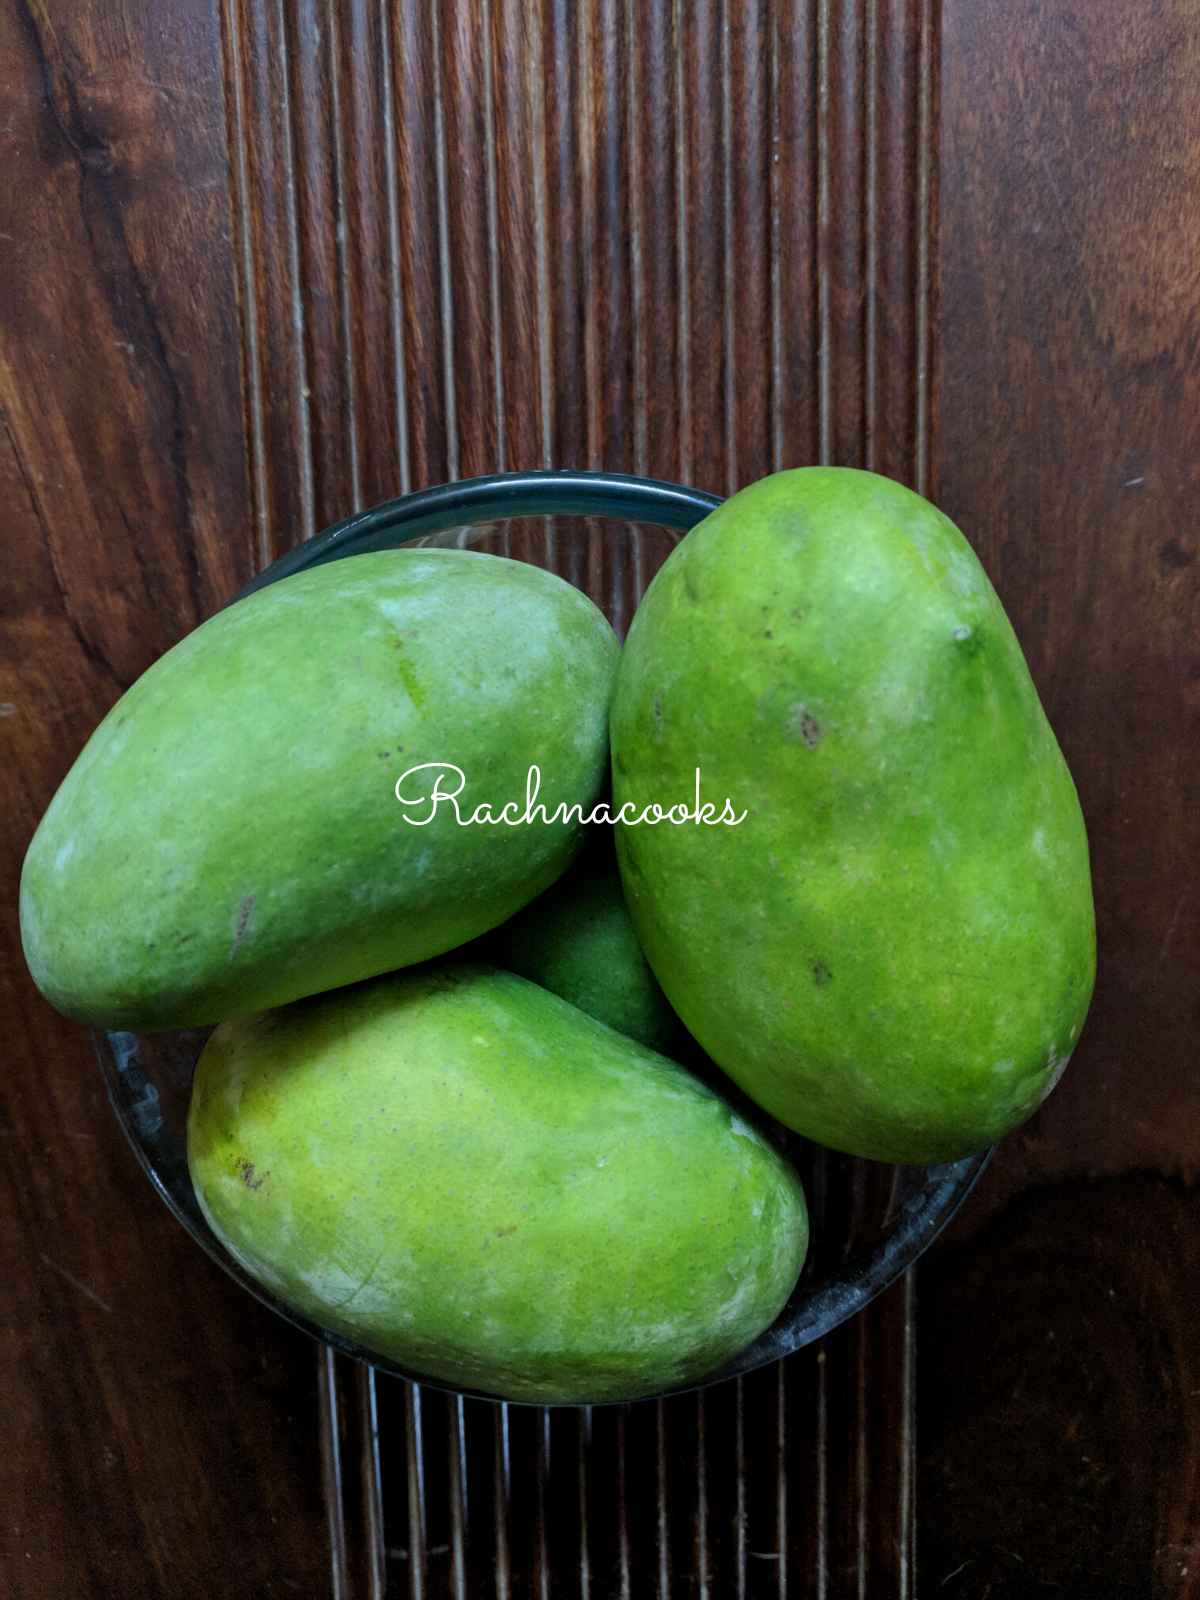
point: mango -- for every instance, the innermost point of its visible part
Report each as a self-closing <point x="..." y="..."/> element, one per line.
<point x="473" y="1178"/>
<point x="231" y="837"/>
<point x="578" y="941"/>
<point x="893" y="950"/>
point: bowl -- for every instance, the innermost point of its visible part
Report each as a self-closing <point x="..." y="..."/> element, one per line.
<point x="608" y="534"/>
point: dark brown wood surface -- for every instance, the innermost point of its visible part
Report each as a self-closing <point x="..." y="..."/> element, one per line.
<point x="1060" y="1328"/>
<point x="270" y="260"/>
<point x="158" y="1428"/>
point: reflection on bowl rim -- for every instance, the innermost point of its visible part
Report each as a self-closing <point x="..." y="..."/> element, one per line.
<point x="812" y="1310"/>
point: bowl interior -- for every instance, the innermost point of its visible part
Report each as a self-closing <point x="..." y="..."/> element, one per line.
<point x="608" y="535"/>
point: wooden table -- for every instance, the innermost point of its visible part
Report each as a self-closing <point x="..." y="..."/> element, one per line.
<point x="265" y="261"/>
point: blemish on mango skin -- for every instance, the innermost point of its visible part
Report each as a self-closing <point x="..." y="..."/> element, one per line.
<point x="245" y="912"/>
<point x="802" y="727"/>
<point x="821" y="973"/>
<point x="250" y="1177"/>
<point x="407" y="676"/>
<point x="968" y="640"/>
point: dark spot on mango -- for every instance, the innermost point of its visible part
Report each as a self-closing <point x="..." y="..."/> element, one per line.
<point x="821" y="973"/>
<point x="803" y="726"/>
<point x="502" y="1233"/>
<point x="246" y="1172"/>
<point x="657" y="710"/>
<point x="245" y="912"/>
<point x="691" y="586"/>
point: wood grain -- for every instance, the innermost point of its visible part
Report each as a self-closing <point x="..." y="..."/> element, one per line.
<point x="1061" y="1456"/>
<point x="154" y="1417"/>
<point x="1058" y="1433"/>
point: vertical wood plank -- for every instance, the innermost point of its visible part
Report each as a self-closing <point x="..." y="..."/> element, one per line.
<point x="1066" y="408"/>
<point x="155" y="1417"/>
<point x="520" y="155"/>
<point x="420" y="161"/>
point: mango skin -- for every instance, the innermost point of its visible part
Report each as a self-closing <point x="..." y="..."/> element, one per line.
<point x="577" y="940"/>
<point x="473" y="1178"/>
<point x="230" y="837"/>
<point x="895" y="951"/>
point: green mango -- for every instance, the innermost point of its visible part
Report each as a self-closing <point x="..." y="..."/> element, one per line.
<point x="577" y="940"/>
<point x="894" y="951"/>
<point x="467" y="1175"/>
<point x="231" y="837"/>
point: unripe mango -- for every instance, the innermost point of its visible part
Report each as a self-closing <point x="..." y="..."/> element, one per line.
<point x="894" y="951"/>
<point x="231" y="838"/>
<point x="473" y="1178"/>
<point x="577" y="940"/>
